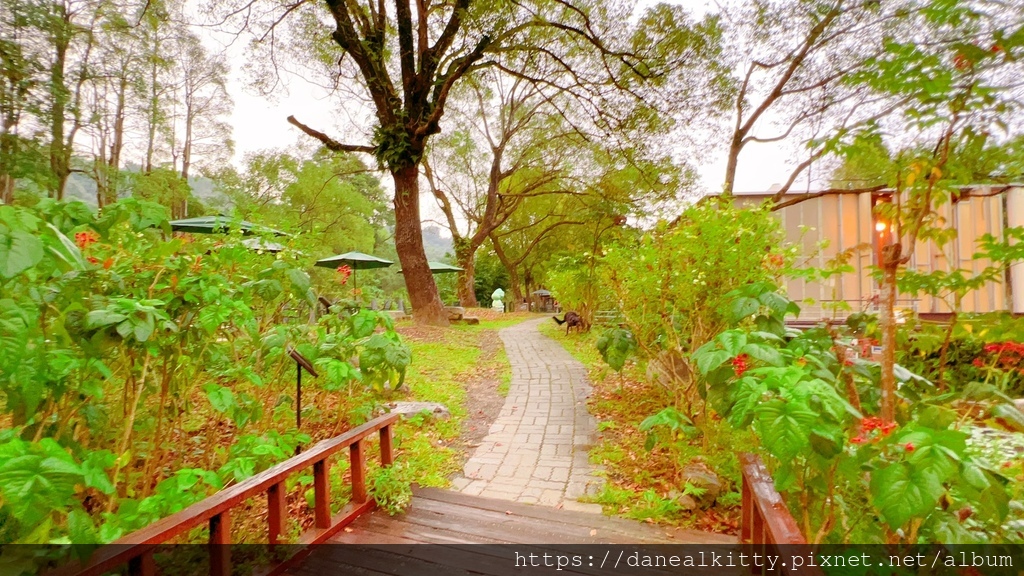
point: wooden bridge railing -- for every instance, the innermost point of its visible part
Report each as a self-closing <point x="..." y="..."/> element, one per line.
<point x="765" y="516"/>
<point x="767" y="524"/>
<point x="136" y="549"/>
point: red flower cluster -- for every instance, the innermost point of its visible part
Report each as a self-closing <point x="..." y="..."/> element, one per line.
<point x="1008" y="356"/>
<point x="344" y="271"/>
<point x="774" y="260"/>
<point x="1005" y="348"/>
<point x="741" y="364"/>
<point x="85" y="239"/>
<point x="869" y="425"/>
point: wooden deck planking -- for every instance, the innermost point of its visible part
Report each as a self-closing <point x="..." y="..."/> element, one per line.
<point x="460" y="521"/>
<point x="445" y="517"/>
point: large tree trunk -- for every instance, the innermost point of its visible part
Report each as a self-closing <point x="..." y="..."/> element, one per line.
<point x="426" y="303"/>
<point x="113" y="174"/>
<point x="465" y="254"/>
<point x="152" y="119"/>
<point x="58" y="158"/>
<point x="512" y="269"/>
<point x="8" y="146"/>
<point x="6" y="189"/>
<point x="734" y="156"/>
<point x="887" y="324"/>
<point x="186" y="148"/>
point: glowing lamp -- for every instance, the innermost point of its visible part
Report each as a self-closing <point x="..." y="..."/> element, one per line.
<point x="880" y="226"/>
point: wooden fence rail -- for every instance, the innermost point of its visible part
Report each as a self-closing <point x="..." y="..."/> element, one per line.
<point x="136" y="549"/>
<point x="766" y="522"/>
<point x="765" y="516"/>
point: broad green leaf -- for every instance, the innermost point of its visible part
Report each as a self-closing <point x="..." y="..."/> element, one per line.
<point x="220" y="397"/>
<point x="103" y="317"/>
<point x="70" y="252"/>
<point x="94" y="471"/>
<point x="762" y="352"/>
<point x="364" y="323"/>
<point x="81" y="528"/>
<point x="733" y="341"/>
<point x="19" y="251"/>
<point x="32" y="485"/>
<point x="300" y="281"/>
<point x="784" y="427"/>
<point x="1008" y="416"/>
<point x="900" y="495"/>
<point x="744" y="307"/>
<point x="708" y="361"/>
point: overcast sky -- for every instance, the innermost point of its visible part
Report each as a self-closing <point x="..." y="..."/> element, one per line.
<point x="259" y="123"/>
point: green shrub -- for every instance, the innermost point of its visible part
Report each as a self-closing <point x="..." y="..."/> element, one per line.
<point x="391" y="488"/>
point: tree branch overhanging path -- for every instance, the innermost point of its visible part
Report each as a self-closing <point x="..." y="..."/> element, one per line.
<point x="407" y="59"/>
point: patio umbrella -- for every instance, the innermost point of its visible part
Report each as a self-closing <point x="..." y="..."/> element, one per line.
<point x="220" y="224"/>
<point x="261" y="244"/>
<point x="442" y="268"/>
<point x="355" y="261"/>
<point x="542" y="293"/>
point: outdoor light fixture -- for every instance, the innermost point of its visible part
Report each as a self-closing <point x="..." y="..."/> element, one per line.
<point x="880" y="226"/>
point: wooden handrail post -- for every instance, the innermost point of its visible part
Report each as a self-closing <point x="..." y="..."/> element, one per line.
<point x="276" y="513"/>
<point x="142" y="565"/>
<point x="746" y="511"/>
<point x="220" y="539"/>
<point x="321" y="495"/>
<point x="357" y="458"/>
<point x="387" y="454"/>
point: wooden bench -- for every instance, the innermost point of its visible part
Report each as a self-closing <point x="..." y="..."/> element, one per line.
<point x="136" y="549"/>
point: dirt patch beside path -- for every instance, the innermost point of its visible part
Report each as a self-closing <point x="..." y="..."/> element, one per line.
<point x="483" y="402"/>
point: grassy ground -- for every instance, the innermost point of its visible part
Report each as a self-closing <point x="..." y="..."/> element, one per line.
<point x="646" y="484"/>
<point x="453" y="366"/>
<point x="459" y="366"/>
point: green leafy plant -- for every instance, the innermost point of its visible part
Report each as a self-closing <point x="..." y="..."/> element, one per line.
<point x="673" y="285"/>
<point x="616" y="345"/>
<point x="143" y="371"/>
<point x="391" y="489"/>
<point x="799" y="392"/>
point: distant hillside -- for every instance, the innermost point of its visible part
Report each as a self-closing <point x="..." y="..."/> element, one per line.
<point x="436" y="246"/>
<point x="83" y="188"/>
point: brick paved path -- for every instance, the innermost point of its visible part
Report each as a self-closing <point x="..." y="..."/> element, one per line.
<point x="536" y="451"/>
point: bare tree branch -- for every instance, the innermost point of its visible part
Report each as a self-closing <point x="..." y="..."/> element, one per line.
<point x="328" y="142"/>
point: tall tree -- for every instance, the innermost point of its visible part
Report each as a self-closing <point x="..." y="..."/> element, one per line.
<point x="156" y="32"/>
<point x="509" y="145"/>
<point x="960" y="76"/>
<point x="20" y="84"/>
<point x="794" y="57"/>
<point x="69" y="29"/>
<point x="408" y="58"/>
<point x="117" y="64"/>
<point x="201" y="93"/>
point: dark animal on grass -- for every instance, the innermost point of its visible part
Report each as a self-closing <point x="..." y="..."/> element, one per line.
<point x="571" y="320"/>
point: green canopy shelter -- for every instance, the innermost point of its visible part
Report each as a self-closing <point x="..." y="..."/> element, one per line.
<point x="259" y="244"/>
<point x="442" y="268"/>
<point x="220" y="225"/>
<point x="355" y="261"/>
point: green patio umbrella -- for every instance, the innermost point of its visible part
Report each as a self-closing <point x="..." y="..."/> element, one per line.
<point x="261" y="244"/>
<point x="355" y="261"/>
<point x="219" y="225"/>
<point x="442" y="268"/>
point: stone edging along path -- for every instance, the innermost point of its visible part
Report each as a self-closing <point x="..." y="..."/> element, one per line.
<point x="536" y="451"/>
